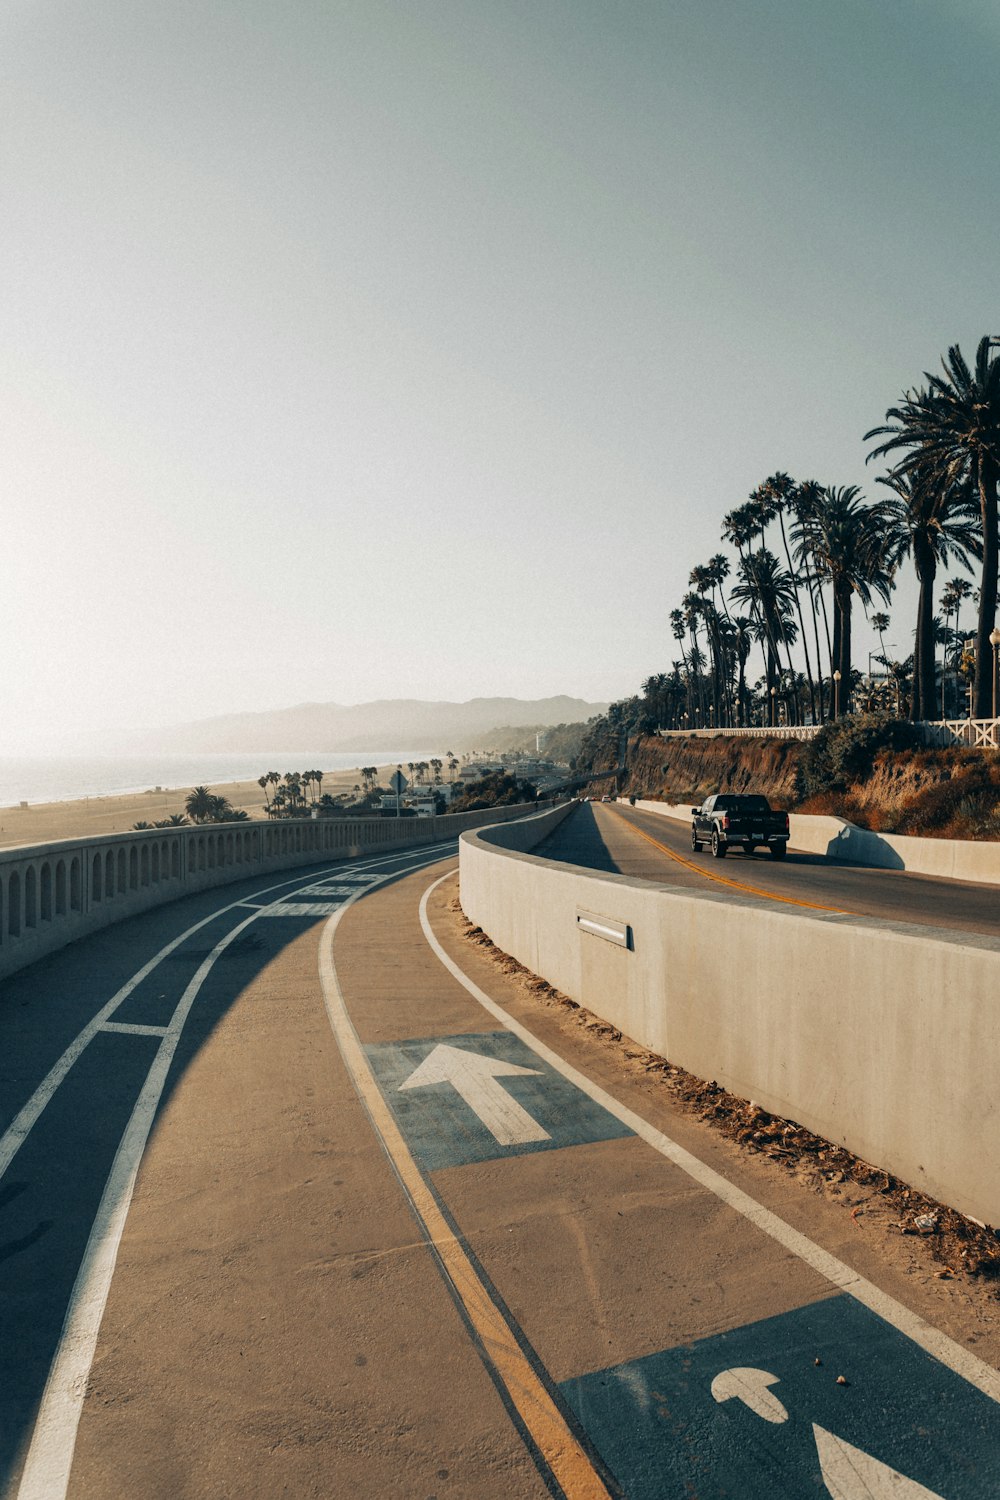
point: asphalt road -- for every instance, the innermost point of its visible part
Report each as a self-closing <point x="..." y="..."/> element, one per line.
<point x="302" y="1194"/>
<point x="623" y="840"/>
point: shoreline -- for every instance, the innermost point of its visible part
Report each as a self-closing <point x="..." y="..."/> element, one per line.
<point x="86" y="817"/>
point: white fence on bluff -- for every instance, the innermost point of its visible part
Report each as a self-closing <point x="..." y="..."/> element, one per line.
<point x="978" y="733"/>
<point x="52" y="894"/>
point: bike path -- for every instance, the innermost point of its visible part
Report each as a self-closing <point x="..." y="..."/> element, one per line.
<point x="447" y="1249"/>
<point x="691" y="1348"/>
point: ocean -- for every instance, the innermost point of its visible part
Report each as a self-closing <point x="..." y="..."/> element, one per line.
<point x="67" y="778"/>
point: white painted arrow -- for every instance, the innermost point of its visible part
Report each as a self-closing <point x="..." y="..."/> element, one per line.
<point x="474" y="1078"/>
<point x="751" y="1387"/>
<point x="850" y="1474"/>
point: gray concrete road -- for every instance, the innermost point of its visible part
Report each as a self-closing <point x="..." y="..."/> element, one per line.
<point x="619" y="838"/>
<point x="303" y="1195"/>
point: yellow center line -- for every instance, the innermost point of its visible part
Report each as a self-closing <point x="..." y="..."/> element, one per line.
<point x="737" y="885"/>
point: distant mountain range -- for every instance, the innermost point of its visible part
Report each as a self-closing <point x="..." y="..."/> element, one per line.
<point x="389" y="724"/>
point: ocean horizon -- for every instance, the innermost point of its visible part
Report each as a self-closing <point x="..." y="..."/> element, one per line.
<point x="67" y="778"/>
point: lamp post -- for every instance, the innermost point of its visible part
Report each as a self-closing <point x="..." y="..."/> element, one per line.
<point x="774" y="694"/>
<point x="995" y="643"/>
<point x="836" y="694"/>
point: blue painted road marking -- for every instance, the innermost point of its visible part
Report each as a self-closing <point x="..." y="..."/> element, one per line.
<point x="778" y="1424"/>
<point x="442" y="1127"/>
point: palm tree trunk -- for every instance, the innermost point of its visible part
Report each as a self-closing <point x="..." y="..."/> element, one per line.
<point x="923" y="656"/>
<point x="845" y="651"/>
<point x="983" y="687"/>
<point x="802" y="623"/>
<point x="835" y="657"/>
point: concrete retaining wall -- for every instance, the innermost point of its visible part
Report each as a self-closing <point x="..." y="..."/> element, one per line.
<point x="883" y="1038"/>
<point x="52" y="894"/>
<point x="953" y="859"/>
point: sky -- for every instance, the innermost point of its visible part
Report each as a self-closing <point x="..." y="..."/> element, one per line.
<point x="357" y="350"/>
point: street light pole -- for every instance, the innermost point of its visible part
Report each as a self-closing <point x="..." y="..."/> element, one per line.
<point x="836" y="694"/>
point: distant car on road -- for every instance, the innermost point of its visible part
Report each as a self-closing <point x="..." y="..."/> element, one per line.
<point x="745" y="822"/>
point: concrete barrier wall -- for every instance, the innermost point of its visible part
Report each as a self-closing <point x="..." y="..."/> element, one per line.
<point x="52" y="894"/>
<point x="883" y="1038"/>
<point x="953" y="859"/>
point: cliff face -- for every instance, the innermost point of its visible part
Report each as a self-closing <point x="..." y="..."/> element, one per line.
<point x="950" y="792"/>
<point x="690" y="769"/>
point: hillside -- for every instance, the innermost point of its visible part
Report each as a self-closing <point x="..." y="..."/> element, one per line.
<point x="392" y="723"/>
<point x="867" y="771"/>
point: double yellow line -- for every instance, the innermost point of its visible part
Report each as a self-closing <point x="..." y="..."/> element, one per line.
<point x="736" y="885"/>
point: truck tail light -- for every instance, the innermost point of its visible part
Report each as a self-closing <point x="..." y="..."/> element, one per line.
<point x="725" y="821"/>
<point x="786" y="822"/>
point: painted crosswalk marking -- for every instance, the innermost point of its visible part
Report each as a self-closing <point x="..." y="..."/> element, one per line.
<point x="301" y="909"/>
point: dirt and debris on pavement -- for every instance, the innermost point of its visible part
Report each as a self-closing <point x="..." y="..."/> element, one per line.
<point x="956" y="1247"/>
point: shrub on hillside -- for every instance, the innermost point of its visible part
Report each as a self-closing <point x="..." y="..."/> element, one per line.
<point x="495" y="789"/>
<point x="844" y="751"/>
<point x="966" y="806"/>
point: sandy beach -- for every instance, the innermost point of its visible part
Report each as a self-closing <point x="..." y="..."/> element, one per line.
<point x="43" y="822"/>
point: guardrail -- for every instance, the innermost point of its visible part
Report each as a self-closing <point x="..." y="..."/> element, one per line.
<point x="52" y="894"/>
<point x="875" y="1036"/>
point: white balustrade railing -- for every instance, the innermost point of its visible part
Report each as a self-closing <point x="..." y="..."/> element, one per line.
<point x="777" y="732"/>
<point x="51" y="894"/>
<point x="979" y="733"/>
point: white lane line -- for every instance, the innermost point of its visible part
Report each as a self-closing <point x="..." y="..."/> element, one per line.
<point x="50" y="1457"/>
<point x="20" y="1127"/>
<point x="936" y="1343"/>
<point x="134" y="1028"/>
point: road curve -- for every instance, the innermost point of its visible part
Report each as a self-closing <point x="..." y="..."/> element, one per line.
<point x="303" y="1194"/>
<point x="615" y="837"/>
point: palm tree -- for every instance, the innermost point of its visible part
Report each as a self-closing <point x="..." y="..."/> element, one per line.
<point x="742" y="642"/>
<point x="262" y="782"/>
<point x="769" y="591"/>
<point x="678" y="627"/>
<point x="200" y="804"/>
<point x="784" y="496"/>
<point x="936" y="522"/>
<point x="846" y="538"/>
<point x="953" y="426"/>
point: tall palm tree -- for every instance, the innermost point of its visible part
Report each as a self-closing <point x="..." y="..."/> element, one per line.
<point x="784" y="494"/>
<point x="953" y="425"/>
<point x="845" y="536"/>
<point x="765" y="586"/>
<point x="810" y="495"/>
<point x="936" y="522"/>
<point x="678" y="627"/>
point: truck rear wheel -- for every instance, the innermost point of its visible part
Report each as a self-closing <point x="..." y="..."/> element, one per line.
<point x="778" y="851"/>
<point x="718" y="847"/>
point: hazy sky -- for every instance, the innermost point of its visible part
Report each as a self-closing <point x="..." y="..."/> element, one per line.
<point x="358" y="350"/>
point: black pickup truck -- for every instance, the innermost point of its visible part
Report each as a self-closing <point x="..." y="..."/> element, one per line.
<point x="748" y="823"/>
